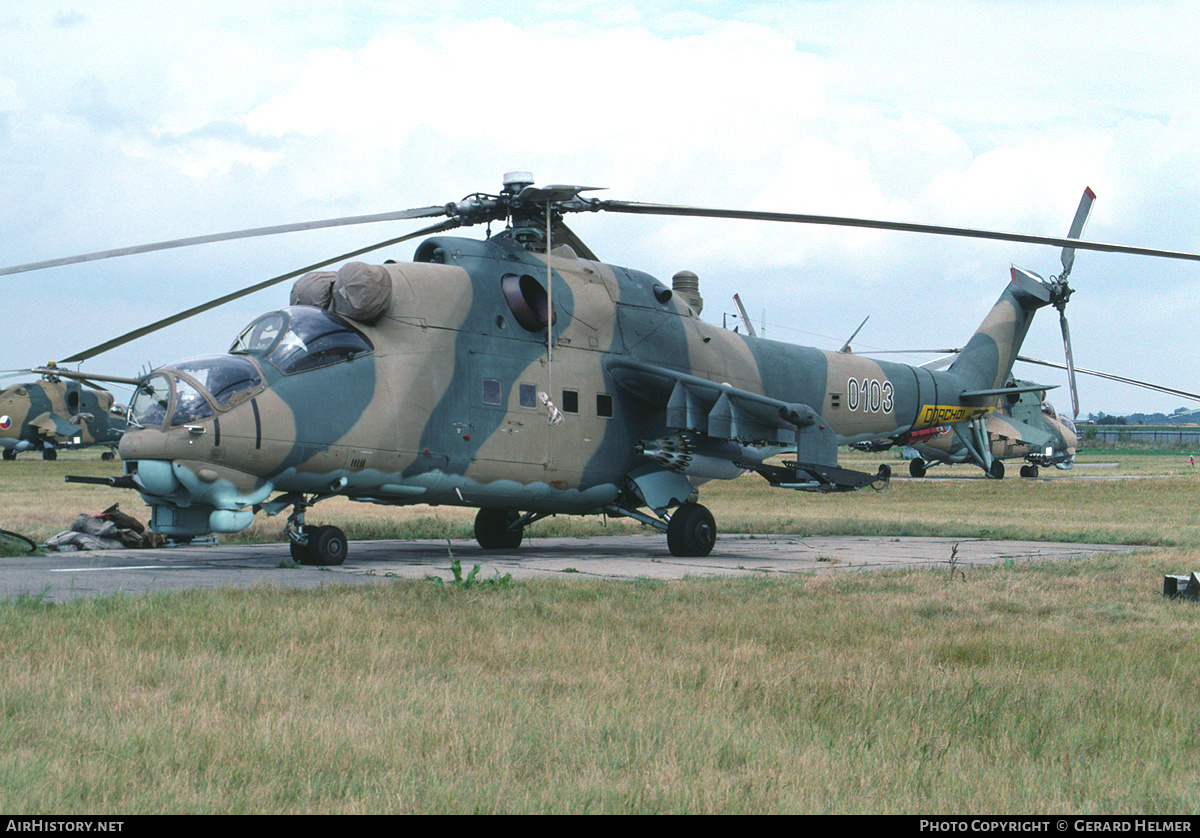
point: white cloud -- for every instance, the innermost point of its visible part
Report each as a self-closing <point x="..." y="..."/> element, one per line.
<point x="135" y="121"/>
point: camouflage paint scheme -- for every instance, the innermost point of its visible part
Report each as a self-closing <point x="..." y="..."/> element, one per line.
<point x="1028" y="429"/>
<point x="652" y="400"/>
<point x="47" y="414"/>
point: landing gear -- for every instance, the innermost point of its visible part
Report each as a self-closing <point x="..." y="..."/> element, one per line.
<point x="326" y="546"/>
<point x="49" y="454"/>
<point x="9" y="454"/>
<point x="692" y="531"/>
<point x="1029" y="471"/>
<point x="916" y="467"/>
<point x="322" y="546"/>
<point x="494" y="529"/>
<point x="996" y="471"/>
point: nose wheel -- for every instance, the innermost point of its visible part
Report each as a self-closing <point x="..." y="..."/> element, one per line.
<point x="321" y="546"/>
<point x="326" y="546"/>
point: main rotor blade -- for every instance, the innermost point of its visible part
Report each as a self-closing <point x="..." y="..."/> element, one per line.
<point x="420" y="212"/>
<point x="87" y="378"/>
<point x="901" y="226"/>
<point x="562" y="234"/>
<point x="1111" y="377"/>
<point x="228" y="298"/>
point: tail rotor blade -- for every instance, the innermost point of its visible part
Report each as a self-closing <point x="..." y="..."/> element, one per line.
<point x="1081" y="216"/>
<point x="1066" y="332"/>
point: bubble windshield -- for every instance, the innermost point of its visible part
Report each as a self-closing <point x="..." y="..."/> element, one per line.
<point x="148" y="408"/>
<point x="301" y="338"/>
<point x="192" y="390"/>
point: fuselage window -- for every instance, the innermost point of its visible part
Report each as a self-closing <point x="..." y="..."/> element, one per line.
<point x="491" y="391"/>
<point x="528" y="396"/>
<point x="570" y="401"/>
<point x="604" y="405"/>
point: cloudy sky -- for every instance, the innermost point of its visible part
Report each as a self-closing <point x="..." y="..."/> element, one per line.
<point x="129" y="122"/>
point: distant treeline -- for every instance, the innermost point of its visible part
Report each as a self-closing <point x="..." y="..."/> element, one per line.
<point x="1182" y="416"/>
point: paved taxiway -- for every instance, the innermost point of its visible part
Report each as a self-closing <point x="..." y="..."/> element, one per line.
<point x="62" y="576"/>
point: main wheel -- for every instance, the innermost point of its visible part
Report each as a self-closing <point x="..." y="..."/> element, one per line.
<point x="492" y="529"/>
<point x="996" y="472"/>
<point x="916" y="467"/>
<point x="49" y="454"/>
<point x="10" y="454"/>
<point x="692" y="531"/>
<point x="327" y="546"/>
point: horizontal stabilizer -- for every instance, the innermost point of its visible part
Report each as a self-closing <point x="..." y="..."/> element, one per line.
<point x="1007" y="391"/>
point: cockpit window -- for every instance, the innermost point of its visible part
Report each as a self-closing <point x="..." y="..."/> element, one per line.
<point x="223" y="376"/>
<point x="148" y="408"/>
<point x="190" y="405"/>
<point x="260" y="335"/>
<point x="302" y="338"/>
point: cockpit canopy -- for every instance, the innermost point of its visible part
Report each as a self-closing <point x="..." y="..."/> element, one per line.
<point x="292" y="340"/>
<point x="191" y="390"/>
<point x="301" y="338"/>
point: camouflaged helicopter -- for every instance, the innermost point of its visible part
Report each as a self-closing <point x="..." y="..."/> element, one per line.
<point x="1023" y="425"/>
<point x="522" y="376"/>
<point x="54" y="413"/>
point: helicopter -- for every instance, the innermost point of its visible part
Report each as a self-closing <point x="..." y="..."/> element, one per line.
<point x="53" y="413"/>
<point x="521" y="376"/>
<point x="1023" y="425"/>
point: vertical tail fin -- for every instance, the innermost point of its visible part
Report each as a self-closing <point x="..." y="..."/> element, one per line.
<point x="987" y="359"/>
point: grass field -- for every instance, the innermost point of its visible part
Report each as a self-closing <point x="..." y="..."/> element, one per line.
<point x="1025" y="688"/>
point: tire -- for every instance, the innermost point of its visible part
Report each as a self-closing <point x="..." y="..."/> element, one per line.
<point x="996" y="472"/>
<point x="692" y="531"/>
<point x="916" y="467"/>
<point x="49" y="454"/>
<point x="10" y="454"/>
<point x="492" y="529"/>
<point x="327" y="546"/>
<point x="302" y="553"/>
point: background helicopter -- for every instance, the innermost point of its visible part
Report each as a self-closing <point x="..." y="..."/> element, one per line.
<point x="522" y="376"/>
<point x="59" y="411"/>
<point x="1023" y="426"/>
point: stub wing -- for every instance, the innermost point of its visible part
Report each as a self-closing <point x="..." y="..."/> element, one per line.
<point x="713" y="424"/>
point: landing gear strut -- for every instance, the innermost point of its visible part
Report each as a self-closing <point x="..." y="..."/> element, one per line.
<point x="321" y="546"/>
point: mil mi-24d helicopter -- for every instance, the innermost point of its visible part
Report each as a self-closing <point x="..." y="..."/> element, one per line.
<point x="1022" y="425"/>
<point x="520" y="375"/>
<point x="53" y="413"/>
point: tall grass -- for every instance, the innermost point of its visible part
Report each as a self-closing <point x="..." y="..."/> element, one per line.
<point x="1040" y="688"/>
<point x="1022" y="688"/>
